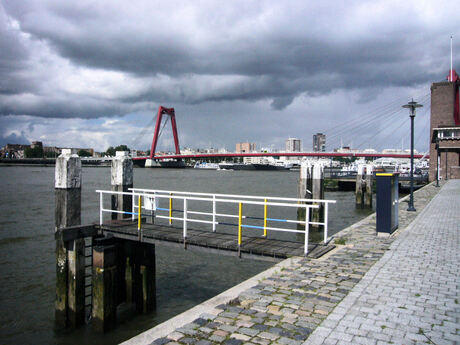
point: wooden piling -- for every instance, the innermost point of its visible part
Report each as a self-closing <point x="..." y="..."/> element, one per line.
<point x="311" y="186"/>
<point x="305" y="181"/>
<point x="368" y="183"/>
<point x="104" y="312"/>
<point x="317" y="214"/>
<point x="359" y="195"/>
<point x="140" y="275"/>
<point x="147" y="296"/>
<point x="70" y="265"/>
<point x="304" y="189"/>
<point x="363" y="191"/>
<point x="121" y="181"/>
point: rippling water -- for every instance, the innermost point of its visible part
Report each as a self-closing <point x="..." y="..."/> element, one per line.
<point x="184" y="279"/>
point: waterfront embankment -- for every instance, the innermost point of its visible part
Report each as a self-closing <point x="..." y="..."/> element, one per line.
<point x="303" y="297"/>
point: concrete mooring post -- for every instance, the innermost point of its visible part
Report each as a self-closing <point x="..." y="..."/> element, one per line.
<point x="70" y="257"/>
<point x="121" y="180"/>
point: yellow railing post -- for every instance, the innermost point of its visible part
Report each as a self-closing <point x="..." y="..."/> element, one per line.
<point x="265" y="218"/>
<point x="170" y="209"/>
<point x="240" y="218"/>
<point x="139" y="213"/>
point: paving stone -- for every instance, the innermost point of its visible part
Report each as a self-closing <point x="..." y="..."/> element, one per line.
<point x="260" y="341"/>
<point x="228" y="328"/>
<point x="248" y="331"/>
<point x="241" y="323"/>
<point x="200" y="322"/>
<point x="267" y="335"/>
<point x="240" y="336"/>
<point x="187" y="331"/>
<point x="216" y="338"/>
<point x="220" y="333"/>
<point x="161" y="341"/>
<point x="203" y="342"/>
<point x="205" y="330"/>
<point x="175" y="336"/>
<point x="233" y="341"/>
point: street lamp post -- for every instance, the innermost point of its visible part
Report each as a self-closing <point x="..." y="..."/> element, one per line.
<point x="412" y="105"/>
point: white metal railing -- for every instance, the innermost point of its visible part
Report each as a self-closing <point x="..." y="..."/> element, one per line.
<point x="148" y="199"/>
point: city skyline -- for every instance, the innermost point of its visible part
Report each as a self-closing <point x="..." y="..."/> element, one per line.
<point x="93" y="75"/>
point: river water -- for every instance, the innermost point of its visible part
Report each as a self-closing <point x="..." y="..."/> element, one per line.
<point x="184" y="278"/>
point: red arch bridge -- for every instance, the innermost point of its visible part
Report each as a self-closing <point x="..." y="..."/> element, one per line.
<point x="280" y="154"/>
<point x="170" y="113"/>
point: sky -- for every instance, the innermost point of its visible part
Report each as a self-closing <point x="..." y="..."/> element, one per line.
<point x="93" y="73"/>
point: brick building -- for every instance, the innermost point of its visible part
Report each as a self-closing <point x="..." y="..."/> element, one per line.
<point x="445" y="128"/>
<point x="245" y="147"/>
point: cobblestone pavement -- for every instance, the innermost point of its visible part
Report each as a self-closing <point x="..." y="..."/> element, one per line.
<point x="411" y="295"/>
<point x="289" y="306"/>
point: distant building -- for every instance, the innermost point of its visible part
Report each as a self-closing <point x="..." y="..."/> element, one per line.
<point x="245" y="147"/>
<point x="370" y="151"/>
<point x="319" y="142"/>
<point x="293" y="145"/>
<point x="398" y="151"/>
<point x="36" y="144"/>
<point x="90" y="150"/>
<point x="345" y="149"/>
<point x="13" y="151"/>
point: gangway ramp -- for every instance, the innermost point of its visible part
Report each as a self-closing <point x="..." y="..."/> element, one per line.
<point x="219" y="243"/>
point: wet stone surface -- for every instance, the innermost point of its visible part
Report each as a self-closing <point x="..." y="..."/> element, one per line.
<point x="288" y="307"/>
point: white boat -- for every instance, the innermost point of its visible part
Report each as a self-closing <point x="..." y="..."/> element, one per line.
<point x="387" y="164"/>
<point x="205" y="165"/>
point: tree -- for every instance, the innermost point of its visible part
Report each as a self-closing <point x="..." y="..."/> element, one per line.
<point x="110" y="151"/>
<point x="36" y="152"/>
<point x="122" y="148"/>
<point x="51" y="154"/>
<point x="83" y="153"/>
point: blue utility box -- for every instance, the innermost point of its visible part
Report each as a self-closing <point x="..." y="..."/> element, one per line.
<point x="387" y="202"/>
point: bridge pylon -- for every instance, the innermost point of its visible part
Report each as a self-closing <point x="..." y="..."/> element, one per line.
<point x="169" y="112"/>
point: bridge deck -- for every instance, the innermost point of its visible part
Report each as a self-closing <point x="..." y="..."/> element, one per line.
<point x="221" y="243"/>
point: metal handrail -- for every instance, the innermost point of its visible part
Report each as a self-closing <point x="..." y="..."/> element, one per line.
<point x="218" y="198"/>
<point x="232" y="195"/>
<point x="265" y="198"/>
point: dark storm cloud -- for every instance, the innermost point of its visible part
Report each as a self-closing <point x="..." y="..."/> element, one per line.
<point x="14" y="139"/>
<point x="188" y="53"/>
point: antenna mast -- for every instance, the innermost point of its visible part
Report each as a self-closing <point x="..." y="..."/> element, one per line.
<point x="451" y="71"/>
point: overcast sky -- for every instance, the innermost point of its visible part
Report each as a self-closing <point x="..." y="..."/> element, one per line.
<point x="93" y="73"/>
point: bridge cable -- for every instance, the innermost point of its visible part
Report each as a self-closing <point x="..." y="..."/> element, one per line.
<point x="359" y="117"/>
<point x="384" y="110"/>
<point x="143" y="131"/>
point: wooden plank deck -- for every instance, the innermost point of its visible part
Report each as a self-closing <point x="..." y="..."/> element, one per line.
<point x="220" y="243"/>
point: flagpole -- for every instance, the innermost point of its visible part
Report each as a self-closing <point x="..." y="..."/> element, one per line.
<point x="451" y="71"/>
